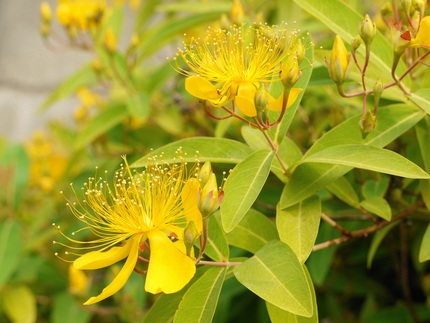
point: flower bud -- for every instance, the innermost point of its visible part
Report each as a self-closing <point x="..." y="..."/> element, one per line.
<point x="387" y="9"/>
<point x="299" y="51"/>
<point x="290" y="72"/>
<point x="110" y="40"/>
<point x="401" y="42"/>
<point x="406" y="6"/>
<point x="355" y="44"/>
<point x="419" y="6"/>
<point x="367" y="30"/>
<point x="210" y="198"/>
<point x="261" y="98"/>
<point x="368" y="122"/>
<point x="378" y="88"/>
<point x="204" y="173"/>
<point x="45" y="12"/>
<point x="339" y="62"/>
<point x="190" y="235"/>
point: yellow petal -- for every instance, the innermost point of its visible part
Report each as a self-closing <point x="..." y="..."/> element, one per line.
<point x="201" y="88"/>
<point x="276" y="104"/>
<point x="169" y="269"/>
<point x="190" y="197"/>
<point x="245" y="99"/>
<point x="125" y="272"/>
<point x="100" y="259"/>
<point x="422" y="38"/>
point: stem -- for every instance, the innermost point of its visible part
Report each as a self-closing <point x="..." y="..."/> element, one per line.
<point x="335" y="225"/>
<point x="219" y="263"/>
<point x="203" y="238"/>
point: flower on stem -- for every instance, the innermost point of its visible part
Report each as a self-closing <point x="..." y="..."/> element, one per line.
<point x="367" y="30"/>
<point x="339" y="64"/>
<point x="141" y="211"/>
<point x="231" y="66"/>
<point x="210" y="197"/>
<point x="80" y="14"/>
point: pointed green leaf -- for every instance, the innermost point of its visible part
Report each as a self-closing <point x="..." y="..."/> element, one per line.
<point x="298" y="226"/>
<point x="278" y="315"/>
<point x="100" y="124"/>
<point x="425" y="191"/>
<point x="253" y="232"/>
<point x="307" y="179"/>
<point x="368" y="157"/>
<point x="276" y="275"/>
<point x="376" y="241"/>
<point x="243" y="186"/>
<point x="217" y="247"/>
<point x="373" y="187"/>
<point x="138" y="106"/>
<point x="422" y="99"/>
<point x="10" y="248"/>
<point x="66" y="309"/>
<point x="424" y="253"/>
<point x="19" y="303"/>
<point x="82" y="78"/>
<point x="200" y="301"/>
<point x="422" y="130"/>
<point x="377" y="205"/>
<point x="217" y="150"/>
<point x="344" y="191"/>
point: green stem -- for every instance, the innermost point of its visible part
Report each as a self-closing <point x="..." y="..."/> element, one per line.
<point x="219" y="263"/>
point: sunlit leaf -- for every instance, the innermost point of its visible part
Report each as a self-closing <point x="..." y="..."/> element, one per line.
<point x="377" y="205"/>
<point x="344" y="191"/>
<point x="19" y="303"/>
<point x="217" y="247"/>
<point x="10" y="248"/>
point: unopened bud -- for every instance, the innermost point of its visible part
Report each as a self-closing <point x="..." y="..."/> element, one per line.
<point x="355" y="44"/>
<point x="190" y="235"/>
<point x="110" y="40"/>
<point x="406" y="6"/>
<point x="367" y="30"/>
<point x="210" y="198"/>
<point x="378" y="88"/>
<point x="204" y="173"/>
<point x="387" y="9"/>
<point x="368" y="122"/>
<point x="339" y="62"/>
<point x="401" y="42"/>
<point x="237" y="13"/>
<point x="290" y="72"/>
<point x="261" y="98"/>
<point x="299" y="51"/>
<point x="419" y="6"/>
<point x="45" y="12"/>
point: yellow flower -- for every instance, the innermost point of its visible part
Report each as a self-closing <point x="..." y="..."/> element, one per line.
<point x="339" y="61"/>
<point x="80" y="14"/>
<point x="230" y="66"/>
<point x="422" y="38"/>
<point x="141" y="211"/>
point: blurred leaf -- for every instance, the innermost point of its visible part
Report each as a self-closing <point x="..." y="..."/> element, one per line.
<point x="378" y="206"/>
<point x="424" y="253"/>
<point x="346" y="26"/>
<point x="14" y="173"/>
<point x="367" y="157"/>
<point x="376" y="241"/>
<point x="278" y="315"/>
<point x="217" y="150"/>
<point x="422" y="130"/>
<point x="397" y="313"/>
<point x="10" y="248"/>
<point x="19" y="303"/>
<point x="275" y="274"/>
<point x="200" y="300"/>
<point x="243" y="186"/>
<point x="217" y="247"/>
<point x="298" y="226"/>
<point x="82" y="78"/>
<point x="67" y="310"/>
<point x="373" y="187"/>
<point x="156" y="37"/>
<point x="252" y="232"/>
<point x="425" y="191"/>
<point x="307" y="179"/>
<point x="113" y="114"/>
<point x="422" y="98"/>
<point x="344" y="191"/>
<point x="190" y="6"/>
<point x="138" y="106"/>
<point x="320" y="261"/>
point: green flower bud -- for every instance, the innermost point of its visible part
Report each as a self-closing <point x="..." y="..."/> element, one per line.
<point x="299" y="51"/>
<point x="367" y="30"/>
<point x="368" y="122"/>
<point x="406" y="6"/>
<point x="419" y="6"/>
<point x="355" y="44"/>
<point x="387" y="9"/>
<point x="261" y="98"/>
<point x="401" y="42"/>
<point x="378" y="88"/>
<point x="290" y="72"/>
<point x="204" y="173"/>
<point x="190" y="235"/>
<point x="210" y="198"/>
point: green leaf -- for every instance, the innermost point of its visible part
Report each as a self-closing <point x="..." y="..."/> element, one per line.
<point x="422" y="130"/>
<point x="424" y="253"/>
<point x="276" y="275"/>
<point x="217" y="150"/>
<point x="346" y="26"/>
<point x="10" y="248"/>
<point x="253" y="232"/>
<point x="200" y="301"/>
<point x="368" y="157"/>
<point x="67" y="310"/>
<point x="344" y="191"/>
<point x="376" y="241"/>
<point x="307" y="179"/>
<point x="138" y="106"/>
<point x="217" y="246"/>
<point x="422" y="98"/>
<point x="375" y="187"/>
<point x="19" y="304"/>
<point x="298" y="226"/>
<point x="425" y="191"/>
<point x="100" y="124"/>
<point x="377" y="205"/>
<point x="243" y="186"/>
<point x="278" y="315"/>
<point x="82" y="78"/>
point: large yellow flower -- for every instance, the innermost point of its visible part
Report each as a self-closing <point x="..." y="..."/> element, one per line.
<point x="230" y="66"/>
<point x="141" y="211"/>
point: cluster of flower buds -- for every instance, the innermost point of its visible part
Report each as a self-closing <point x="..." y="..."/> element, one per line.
<point x="46" y="15"/>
